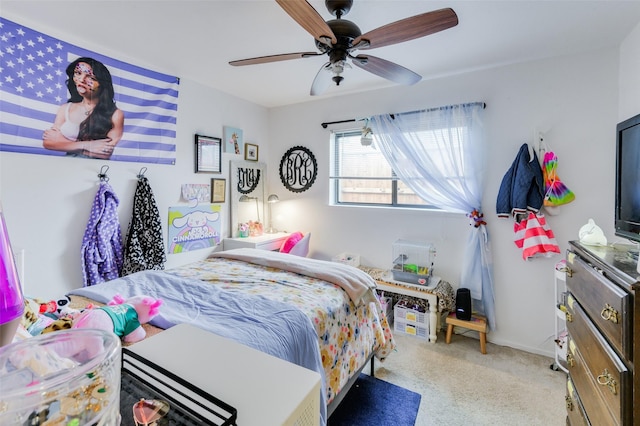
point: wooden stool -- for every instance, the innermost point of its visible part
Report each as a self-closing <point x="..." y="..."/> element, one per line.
<point x="477" y="323"/>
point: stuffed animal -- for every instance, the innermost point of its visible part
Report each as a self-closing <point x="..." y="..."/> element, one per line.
<point x="120" y="316"/>
<point x="123" y="317"/>
<point x="592" y="235"/>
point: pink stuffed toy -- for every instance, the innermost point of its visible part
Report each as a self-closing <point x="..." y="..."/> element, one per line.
<point x="120" y="316"/>
<point x="123" y="317"/>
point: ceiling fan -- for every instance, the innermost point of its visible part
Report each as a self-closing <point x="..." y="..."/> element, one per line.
<point x="339" y="38"/>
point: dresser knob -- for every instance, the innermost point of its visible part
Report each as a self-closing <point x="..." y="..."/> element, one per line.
<point x="606" y="379"/>
<point x="609" y="314"/>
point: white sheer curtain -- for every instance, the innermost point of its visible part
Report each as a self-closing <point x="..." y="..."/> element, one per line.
<point x="439" y="154"/>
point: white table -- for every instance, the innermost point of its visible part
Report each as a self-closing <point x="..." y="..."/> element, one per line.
<point x="263" y="242"/>
<point x="264" y="389"/>
<point x="385" y="283"/>
<point x="431" y="299"/>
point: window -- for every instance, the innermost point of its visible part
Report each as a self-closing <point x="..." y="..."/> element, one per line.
<point x="362" y="176"/>
<point x="436" y="153"/>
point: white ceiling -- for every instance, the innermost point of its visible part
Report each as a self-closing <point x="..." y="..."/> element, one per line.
<point x="197" y="39"/>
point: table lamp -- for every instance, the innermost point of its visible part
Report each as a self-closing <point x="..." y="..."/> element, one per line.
<point x="273" y="198"/>
<point x="11" y="301"/>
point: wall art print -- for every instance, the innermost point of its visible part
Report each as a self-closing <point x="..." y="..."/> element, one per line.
<point x="193" y="228"/>
<point x="195" y="191"/>
<point x="140" y="126"/>
<point x="298" y="169"/>
<point x="233" y="142"/>
<point x="251" y="152"/>
<point x="208" y="154"/>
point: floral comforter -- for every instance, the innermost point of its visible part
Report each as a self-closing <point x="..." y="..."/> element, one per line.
<point x="348" y="333"/>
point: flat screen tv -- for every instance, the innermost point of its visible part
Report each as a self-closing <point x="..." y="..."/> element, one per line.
<point x="627" y="214"/>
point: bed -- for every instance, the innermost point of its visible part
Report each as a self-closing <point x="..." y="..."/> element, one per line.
<point x="321" y="315"/>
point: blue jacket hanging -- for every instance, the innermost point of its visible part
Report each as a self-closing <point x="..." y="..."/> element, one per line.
<point x="102" y="241"/>
<point x="522" y="187"/>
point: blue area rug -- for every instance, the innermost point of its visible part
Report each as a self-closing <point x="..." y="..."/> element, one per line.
<point x="374" y="402"/>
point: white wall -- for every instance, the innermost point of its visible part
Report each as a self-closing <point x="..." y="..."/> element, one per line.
<point x="572" y="99"/>
<point x="47" y="200"/>
<point x="629" y="102"/>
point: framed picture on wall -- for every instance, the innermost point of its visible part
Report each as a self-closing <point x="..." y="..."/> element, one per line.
<point x="250" y="152"/>
<point x="218" y="190"/>
<point x="232" y="140"/>
<point x="208" y="154"/>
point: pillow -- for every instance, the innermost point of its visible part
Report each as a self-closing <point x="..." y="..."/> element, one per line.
<point x="302" y="247"/>
<point x="291" y="241"/>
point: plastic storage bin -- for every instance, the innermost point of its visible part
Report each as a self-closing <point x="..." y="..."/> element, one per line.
<point x="62" y="378"/>
<point x="411" y="322"/>
<point x="412" y="261"/>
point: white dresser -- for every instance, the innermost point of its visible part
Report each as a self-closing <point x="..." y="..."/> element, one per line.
<point x="264" y="389"/>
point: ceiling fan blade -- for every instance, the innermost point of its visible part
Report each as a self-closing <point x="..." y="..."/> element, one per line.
<point x="386" y="69"/>
<point x="408" y="29"/>
<point x="309" y="19"/>
<point x="273" y="58"/>
<point x="322" y="80"/>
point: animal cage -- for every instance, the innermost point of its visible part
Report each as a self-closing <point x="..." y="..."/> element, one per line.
<point x="413" y="261"/>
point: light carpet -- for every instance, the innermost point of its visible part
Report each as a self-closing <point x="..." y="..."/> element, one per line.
<point x="461" y="386"/>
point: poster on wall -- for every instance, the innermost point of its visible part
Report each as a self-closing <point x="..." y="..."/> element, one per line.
<point x="193" y="228"/>
<point x="62" y="100"/>
<point x="233" y="142"/>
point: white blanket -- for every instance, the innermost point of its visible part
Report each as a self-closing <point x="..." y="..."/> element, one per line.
<point x="355" y="282"/>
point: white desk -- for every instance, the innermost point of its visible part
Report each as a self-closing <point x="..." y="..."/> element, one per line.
<point x="264" y="389"/>
<point x="263" y="242"/>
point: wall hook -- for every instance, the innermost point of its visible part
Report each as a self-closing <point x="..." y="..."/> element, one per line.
<point x="103" y="173"/>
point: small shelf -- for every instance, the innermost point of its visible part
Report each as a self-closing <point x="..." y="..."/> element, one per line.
<point x="560" y="332"/>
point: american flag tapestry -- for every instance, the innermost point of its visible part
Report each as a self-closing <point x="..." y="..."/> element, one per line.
<point x="40" y="85"/>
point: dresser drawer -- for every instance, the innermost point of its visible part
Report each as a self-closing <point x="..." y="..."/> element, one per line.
<point x="605" y="303"/>
<point x="575" y="411"/>
<point x="605" y="369"/>
<point x="594" y="406"/>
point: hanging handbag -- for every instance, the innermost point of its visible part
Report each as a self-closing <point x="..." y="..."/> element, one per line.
<point x="556" y="192"/>
<point x="535" y="237"/>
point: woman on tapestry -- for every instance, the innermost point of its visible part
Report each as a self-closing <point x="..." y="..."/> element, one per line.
<point x="89" y="125"/>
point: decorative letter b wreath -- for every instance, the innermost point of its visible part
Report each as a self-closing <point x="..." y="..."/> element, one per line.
<point x="298" y="169"/>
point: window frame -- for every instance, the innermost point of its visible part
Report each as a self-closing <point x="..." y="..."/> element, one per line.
<point x="336" y="135"/>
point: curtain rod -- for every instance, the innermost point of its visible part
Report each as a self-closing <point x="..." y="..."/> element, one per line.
<point x="325" y="124"/>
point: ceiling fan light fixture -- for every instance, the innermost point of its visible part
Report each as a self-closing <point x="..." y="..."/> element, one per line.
<point x="337" y="68"/>
<point x="339" y="37"/>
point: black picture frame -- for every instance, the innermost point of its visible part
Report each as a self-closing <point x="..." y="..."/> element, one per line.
<point x="208" y="154"/>
<point x="218" y="190"/>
